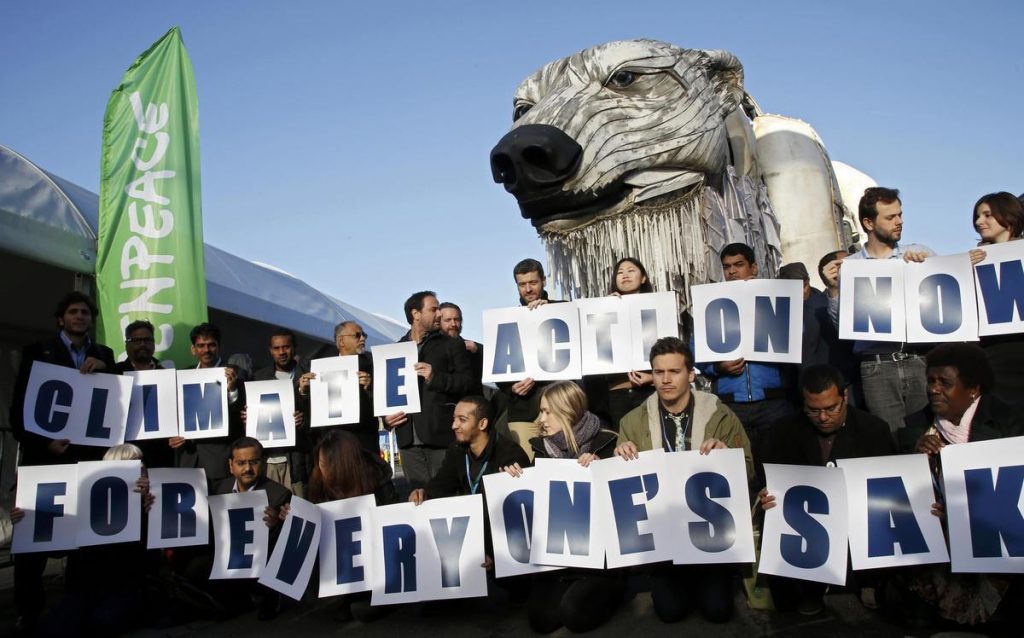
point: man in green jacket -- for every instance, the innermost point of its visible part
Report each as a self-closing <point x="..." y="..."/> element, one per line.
<point x="677" y="415"/>
<point x="676" y="419"/>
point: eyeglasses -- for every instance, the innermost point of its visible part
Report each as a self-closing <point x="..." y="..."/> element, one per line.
<point x="832" y="410"/>
<point x="357" y="335"/>
<point x="139" y="340"/>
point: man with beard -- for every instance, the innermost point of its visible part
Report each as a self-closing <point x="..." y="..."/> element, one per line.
<point x="445" y="376"/>
<point x="451" y="325"/>
<point x="289" y="466"/>
<point x="140" y="345"/>
<point x="209" y="454"/>
<point x="71" y="347"/>
<point x="892" y="374"/>
<point x="476" y="447"/>
<point x="522" y="398"/>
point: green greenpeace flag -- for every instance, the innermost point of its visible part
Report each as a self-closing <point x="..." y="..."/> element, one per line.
<point x="149" y="262"/>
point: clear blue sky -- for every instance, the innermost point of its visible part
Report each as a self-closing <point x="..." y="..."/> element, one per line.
<point x="348" y="143"/>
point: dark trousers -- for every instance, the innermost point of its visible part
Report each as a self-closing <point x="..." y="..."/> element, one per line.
<point x="420" y="463"/>
<point x="787" y="593"/>
<point x="677" y="589"/>
<point x="578" y="603"/>
<point x="757" y="417"/>
<point x="29" y="593"/>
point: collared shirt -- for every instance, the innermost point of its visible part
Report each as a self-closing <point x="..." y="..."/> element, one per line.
<point x="672" y="439"/>
<point x="78" y="356"/>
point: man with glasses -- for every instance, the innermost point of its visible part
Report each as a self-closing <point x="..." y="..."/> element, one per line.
<point x="139" y="346"/>
<point x="350" y="339"/>
<point x="827" y="429"/>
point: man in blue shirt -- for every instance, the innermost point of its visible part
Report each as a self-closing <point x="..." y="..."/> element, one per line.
<point x="892" y="374"/>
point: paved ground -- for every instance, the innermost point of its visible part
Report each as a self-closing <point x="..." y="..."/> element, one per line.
<point x="844" y="617"/>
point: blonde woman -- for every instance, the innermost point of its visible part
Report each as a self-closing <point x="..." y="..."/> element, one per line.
<point x="579" y="600"/>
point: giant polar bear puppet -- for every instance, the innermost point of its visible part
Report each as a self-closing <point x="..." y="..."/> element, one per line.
<point x="640" y="148"/>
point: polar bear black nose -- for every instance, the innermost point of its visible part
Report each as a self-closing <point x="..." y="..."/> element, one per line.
<point x="534" y="157"/>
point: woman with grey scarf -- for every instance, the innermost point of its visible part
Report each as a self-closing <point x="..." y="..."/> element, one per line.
<point x="579" y="599"/>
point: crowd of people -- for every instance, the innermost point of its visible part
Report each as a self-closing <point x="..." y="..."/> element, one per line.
<point x="844" y="400"/>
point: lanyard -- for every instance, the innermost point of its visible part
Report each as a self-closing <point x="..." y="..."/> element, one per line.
<point x="474" y="485"/>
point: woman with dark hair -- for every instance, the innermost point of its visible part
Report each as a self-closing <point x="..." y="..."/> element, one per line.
<point x="344" y="469"/>
<point x="999" y="217"/>
<point x="612" y="396"/>
<point x="960" y="409"/>
<point x="580" y="600"/>
<point x="629" y="277"/>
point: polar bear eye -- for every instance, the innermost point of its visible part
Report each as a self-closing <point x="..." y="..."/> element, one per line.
<point x="520" y="110"/>
<point x="621" y="79"/>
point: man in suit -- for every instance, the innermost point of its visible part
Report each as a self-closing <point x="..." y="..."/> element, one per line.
<point x="71" y="347"/>
<point x="445" y="376"/>
<point x="826" y="430"/>
<point x="140" y="346"/>
<point x="245" y="464"/>
<point x="289" y="466"/>
<point x="209" y="454"/>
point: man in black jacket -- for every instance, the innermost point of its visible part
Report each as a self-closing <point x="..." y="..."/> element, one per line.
<point x="476" y="452"/>
<point x="71" y="347"/>
<point x="140" y="346"/>
<point x="289" y="466"/>
<point x="826" y="430"/>
<point x="209" y="454"/>
<point x="445" y="376"/>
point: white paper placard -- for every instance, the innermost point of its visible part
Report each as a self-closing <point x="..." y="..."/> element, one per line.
<point x="180" y="515"/>
<point x="395" y="385"/>
<point x="634" y="498"/>
<point x="270" y="412"/>
<point x="709" y="507"/>
<point x="48" y="494"/>
<point x="872" y="306"/>
<point x="510" y="508"/>
<point x="240" y="536"/>
<point x="395" y="575"/>
<point x="291" y="562"/>
<point x="504" y="352"/>
<point x="651" y="316"/>
<point x="810" y="520"/>
<point x="202" y="403"/>
<point x="346" y="545"/>
<point x="109" y="508"/>
<point x="565" y="532"/>
<point x="985" y="505"/>
<point x="543" y="344"/>
<point x="999" y="281"/>
<point x="940" y="300"/>
<point x="890" y="500"/>
<point x="87" y="409"/>
<point x="718" y="333"/>
<point x="153" y="411"/>
<point x="450" y="561"/>
<point x="334" y="393"/>
<point x="605" y="335"/>
<point x="775" y="317"/>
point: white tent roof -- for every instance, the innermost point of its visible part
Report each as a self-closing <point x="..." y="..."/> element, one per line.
<point x="50" y="220"/>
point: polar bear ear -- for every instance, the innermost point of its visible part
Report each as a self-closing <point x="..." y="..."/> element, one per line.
<point x="726" y="74"/>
